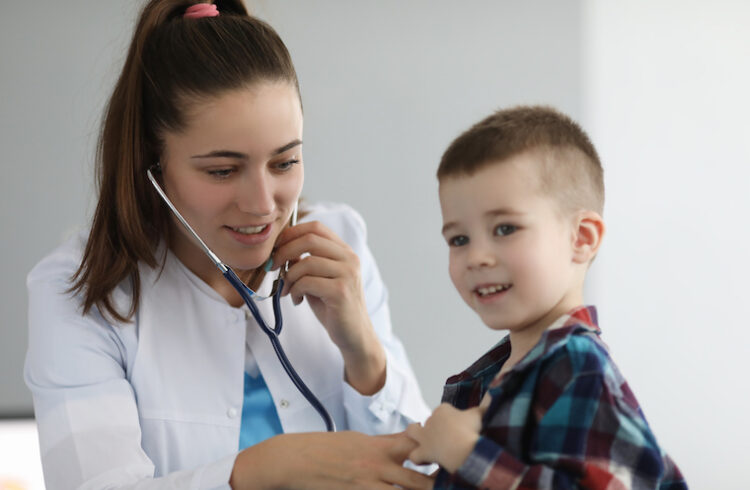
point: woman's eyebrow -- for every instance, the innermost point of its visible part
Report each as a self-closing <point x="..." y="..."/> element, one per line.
<point x="287" y="146"/>
<point x="243" y="156"/>
<point x="222" y="154"/>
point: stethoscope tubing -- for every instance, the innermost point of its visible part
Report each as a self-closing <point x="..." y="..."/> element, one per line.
<point x="273" y="336"/>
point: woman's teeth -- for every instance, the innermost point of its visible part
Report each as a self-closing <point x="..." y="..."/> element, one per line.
<point x="250" y="230"/>
<point x="492" y="289"/>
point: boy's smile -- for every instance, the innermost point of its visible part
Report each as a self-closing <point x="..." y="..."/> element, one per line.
<point x="511" y="248"/>
<point x="491" y="291"/>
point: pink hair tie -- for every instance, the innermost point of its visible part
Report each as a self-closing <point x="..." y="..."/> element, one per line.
<point x="201" y="10"/>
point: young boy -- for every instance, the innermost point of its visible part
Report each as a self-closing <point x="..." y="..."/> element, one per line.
<point x="522" y="194"/>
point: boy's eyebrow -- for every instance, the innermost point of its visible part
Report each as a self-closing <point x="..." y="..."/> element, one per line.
<point x="491" y="213"/>
<point x="503" y="212"/>
<point x="244" y="156"/>
<point x="446" y="227"/>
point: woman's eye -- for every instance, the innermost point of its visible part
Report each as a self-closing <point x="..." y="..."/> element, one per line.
<point x="458" y="241"/>
<point x="283" y="166"/>
<point x="221" y="173"/>
<point x="502" y="230"/>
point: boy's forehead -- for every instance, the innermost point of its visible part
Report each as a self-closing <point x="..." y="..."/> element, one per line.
<point x="522" y="170"/>
<point x="509" y="187"/>
<point x="504" y="181"/>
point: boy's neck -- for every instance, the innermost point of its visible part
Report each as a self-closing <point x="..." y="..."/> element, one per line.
<point x="523" y="340"/>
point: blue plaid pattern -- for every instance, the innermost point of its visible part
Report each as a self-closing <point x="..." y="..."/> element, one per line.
<point x="563" y="417"/>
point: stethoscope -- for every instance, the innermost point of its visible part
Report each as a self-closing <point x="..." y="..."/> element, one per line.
<point x="250" y="296"/>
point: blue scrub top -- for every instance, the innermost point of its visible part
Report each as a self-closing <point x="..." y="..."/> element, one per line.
<point x="259" y="417"/>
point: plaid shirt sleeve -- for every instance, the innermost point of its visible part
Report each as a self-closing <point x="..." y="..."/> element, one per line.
<point x="587" y="430"/>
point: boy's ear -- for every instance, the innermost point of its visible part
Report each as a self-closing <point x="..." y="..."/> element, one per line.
<point x="588" y="234"/>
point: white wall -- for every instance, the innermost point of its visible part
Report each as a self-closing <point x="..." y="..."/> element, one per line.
<point x="57" y="66"/>
<point x="666" y="101"/>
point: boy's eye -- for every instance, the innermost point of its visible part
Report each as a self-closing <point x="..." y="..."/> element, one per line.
<point x="458" y="241"/>
<point x="502" y="230"/>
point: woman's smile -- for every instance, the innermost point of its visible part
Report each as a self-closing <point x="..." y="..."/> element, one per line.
<point x="251" y="235"/>
<point x="249" y="230"/>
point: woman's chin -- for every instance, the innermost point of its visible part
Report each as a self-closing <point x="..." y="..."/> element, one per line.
<point x="245" y="265"/>
<point x="246" y="260"/>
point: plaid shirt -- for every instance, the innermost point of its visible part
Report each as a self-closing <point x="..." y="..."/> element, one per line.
<point x="563" y="417"/>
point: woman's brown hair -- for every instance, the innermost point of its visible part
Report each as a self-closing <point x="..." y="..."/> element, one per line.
<point x="171" y="61"/>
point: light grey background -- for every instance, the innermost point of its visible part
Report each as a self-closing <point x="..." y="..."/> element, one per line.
<point x="661" y="87"/>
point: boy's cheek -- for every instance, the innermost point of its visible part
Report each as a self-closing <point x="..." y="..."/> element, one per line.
<point x="456" y="275"/>
<point x="457" y="271"/>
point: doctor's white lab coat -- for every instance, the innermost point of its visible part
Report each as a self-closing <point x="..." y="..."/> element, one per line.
<point x="156" y="403"/>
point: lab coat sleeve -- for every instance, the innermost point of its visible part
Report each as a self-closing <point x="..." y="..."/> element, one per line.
<point x="400" y="401"/>
<point x="86" y="413"/>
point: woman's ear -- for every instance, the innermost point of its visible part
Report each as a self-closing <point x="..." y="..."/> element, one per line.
<point x="588" y="234"/>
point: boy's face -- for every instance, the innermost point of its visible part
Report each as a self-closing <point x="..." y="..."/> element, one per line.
<point x="510" y="248"/>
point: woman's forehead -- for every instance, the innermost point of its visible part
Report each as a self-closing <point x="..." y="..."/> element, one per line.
<point x="259" y="118"/>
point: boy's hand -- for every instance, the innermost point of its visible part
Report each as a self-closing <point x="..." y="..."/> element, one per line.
<point x="448" y="436"/>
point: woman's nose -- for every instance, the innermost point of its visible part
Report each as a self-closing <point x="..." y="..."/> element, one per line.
<point x="255" y="195"/>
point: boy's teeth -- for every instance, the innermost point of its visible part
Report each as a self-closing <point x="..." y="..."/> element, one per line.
<point x="491" y="290"/>
<point x="249" y="230"/>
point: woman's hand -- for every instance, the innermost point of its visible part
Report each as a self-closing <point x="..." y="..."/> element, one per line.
<point x="320" y="460"/>
<point x="326" y="271"/>
<point x="448" y="436"/>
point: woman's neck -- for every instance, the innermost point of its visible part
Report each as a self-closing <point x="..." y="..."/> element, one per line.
<point x="192" y="257"/>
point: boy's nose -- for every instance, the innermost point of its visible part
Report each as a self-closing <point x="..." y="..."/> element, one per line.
<point x="480" y="255"/>
<point x="255" y="195"/>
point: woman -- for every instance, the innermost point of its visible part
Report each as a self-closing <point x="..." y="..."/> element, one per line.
<point x="145" y="366"/>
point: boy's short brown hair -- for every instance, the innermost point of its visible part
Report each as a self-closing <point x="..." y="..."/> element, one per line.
<point x="570" y="169"/>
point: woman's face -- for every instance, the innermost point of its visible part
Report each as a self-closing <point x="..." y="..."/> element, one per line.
<point x="235" y="173"/>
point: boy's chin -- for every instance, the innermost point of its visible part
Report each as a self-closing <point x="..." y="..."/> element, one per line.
<point x="506" y="320"/>
<point x="494" y="323"/>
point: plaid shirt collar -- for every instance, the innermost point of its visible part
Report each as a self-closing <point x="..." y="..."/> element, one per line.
<point x="581" y="318"/>
<point x="577" y="319"/>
